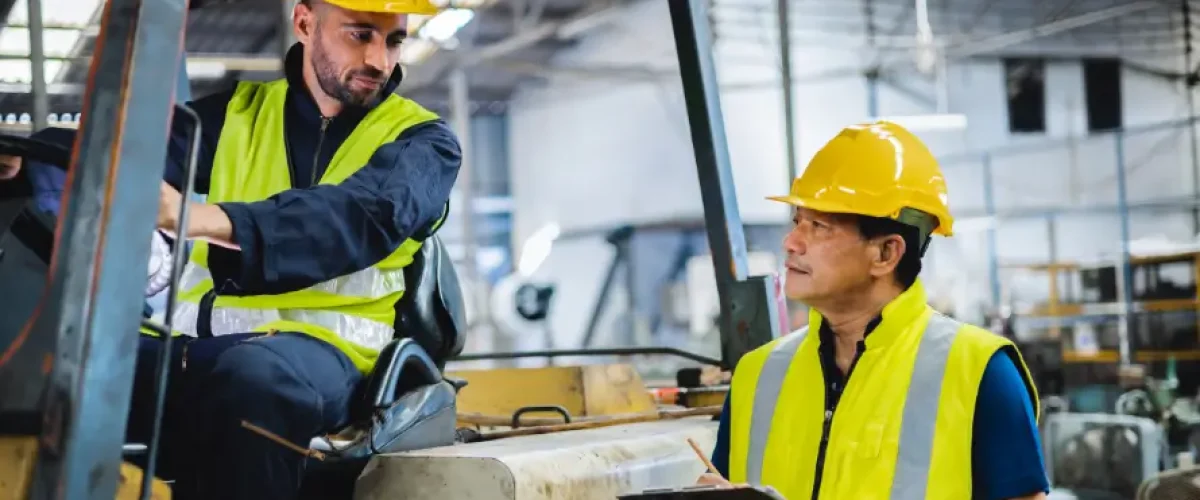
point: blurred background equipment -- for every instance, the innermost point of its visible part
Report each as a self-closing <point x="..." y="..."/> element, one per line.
<point x="609" y="222"/>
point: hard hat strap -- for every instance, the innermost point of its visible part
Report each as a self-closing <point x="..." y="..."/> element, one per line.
<point x="925" y="224"/>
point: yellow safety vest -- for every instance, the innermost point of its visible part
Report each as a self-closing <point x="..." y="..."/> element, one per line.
<point x="356" y="313"/>
<point x="902" y="428"/>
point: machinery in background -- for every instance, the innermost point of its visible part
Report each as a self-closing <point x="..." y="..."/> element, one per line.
<point x="1099" y="326"/>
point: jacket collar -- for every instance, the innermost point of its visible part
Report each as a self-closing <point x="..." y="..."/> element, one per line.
<point x="293" y="69"/>
<point x="895" y="319"/>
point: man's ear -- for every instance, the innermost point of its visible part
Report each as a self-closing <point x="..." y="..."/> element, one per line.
<point x="303" y="22"/>
<point x="890" y="249"/>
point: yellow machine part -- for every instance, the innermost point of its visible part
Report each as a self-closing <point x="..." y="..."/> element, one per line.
<point x="584" y="391"/>
<point x="17" y="454"/>
<point x="701" y="397"/>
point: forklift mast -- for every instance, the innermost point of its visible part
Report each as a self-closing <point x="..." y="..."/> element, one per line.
<point x="65" y="383"/>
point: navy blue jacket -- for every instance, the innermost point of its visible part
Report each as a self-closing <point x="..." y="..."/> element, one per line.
<point x="310" y="234"/>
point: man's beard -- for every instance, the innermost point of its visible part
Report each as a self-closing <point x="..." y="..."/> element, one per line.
<point x="327" y="78"/>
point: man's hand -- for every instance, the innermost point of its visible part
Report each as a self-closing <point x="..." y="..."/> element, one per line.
<point x="206" y="222"/>
<point x="710" y="479"/>
<point x="10" y="166"/>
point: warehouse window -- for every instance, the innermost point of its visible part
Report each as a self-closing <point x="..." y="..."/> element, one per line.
<point x="1025" y="82"/>
<point x="1102" y="89"/>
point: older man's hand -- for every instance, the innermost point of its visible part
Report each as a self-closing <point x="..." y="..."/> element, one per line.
<point x="10" y="166"/>
<point x="710" y="479"/>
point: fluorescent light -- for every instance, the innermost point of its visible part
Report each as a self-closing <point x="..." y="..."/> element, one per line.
<point x="929" y="122"/>
<point x="21" y="70"/>
<point x="442" y="27"/>
<point x="206" y="70"/>
<point x="58" y="41"/>
<point x="56" y="12"/>
<point x="536" y="249"/>
<point x="416" y="50"/>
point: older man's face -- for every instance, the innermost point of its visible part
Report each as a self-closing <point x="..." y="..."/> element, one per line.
<point x="826" y="256"/>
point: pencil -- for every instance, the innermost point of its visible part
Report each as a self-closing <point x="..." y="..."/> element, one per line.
<point x="712" y="469"/>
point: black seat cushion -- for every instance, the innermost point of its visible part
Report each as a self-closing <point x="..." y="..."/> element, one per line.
<point x="431" y="310"/>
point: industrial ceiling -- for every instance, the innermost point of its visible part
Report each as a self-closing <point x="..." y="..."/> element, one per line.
<point x="511" y="42"/>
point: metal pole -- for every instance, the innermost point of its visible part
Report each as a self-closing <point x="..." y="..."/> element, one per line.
<point x="873" y="73"/>
<point x="785" y="68"/>
<point x="1126" y="266"/>
<point x="989" y="203"/>
<point x="1188" y="90"/>
<point x="460" y="116"/>
<point x="873" y="94"/>
<point x="37" y="66"/>
<point x="693" y="41"/>
<point x="752" y="313"/>
<point x="73" y="371"/>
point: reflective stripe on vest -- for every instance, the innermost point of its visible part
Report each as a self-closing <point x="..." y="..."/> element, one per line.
<point x="920" y="406"/>
<point x="229" y="320"/>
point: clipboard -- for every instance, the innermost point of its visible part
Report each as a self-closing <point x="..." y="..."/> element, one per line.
<point x="706" y="493"/>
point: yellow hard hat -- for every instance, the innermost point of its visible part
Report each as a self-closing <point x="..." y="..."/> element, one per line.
<point x="422" y="7"/>
<point x="878" y="170"/>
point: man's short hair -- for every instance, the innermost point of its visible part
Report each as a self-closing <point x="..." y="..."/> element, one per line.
<point x="915" y="245"/>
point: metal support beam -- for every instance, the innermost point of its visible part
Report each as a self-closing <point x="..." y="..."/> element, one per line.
<point x="1052" y="28"/>
<point x="37" y="65"/>
<point x="71" y="370"/>
<point x="785" y="66"/>
<point x="592" y="18"/>
<point x="751" y="313"/>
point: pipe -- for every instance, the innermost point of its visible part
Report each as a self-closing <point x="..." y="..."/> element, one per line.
<point x="989" y="203"/>
<point x="1126" y="266"/>
<point x="460" y="111"/>
<point x="37" y="66"/>
<point x="785" y="64"/>
<point x="1189" y="92"/>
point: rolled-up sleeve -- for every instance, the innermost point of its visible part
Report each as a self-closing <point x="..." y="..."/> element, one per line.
<point x="302" y="237"/>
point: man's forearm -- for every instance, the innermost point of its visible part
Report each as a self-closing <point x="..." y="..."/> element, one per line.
<point x="211" y="223"/>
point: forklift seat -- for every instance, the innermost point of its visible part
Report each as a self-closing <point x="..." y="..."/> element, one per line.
<point x="405" y="403"/>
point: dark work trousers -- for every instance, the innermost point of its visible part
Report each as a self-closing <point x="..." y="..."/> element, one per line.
<point x="290" y="384"/>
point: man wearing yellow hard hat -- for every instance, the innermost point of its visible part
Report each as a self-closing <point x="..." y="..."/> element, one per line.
<point x="879" y="396"/>
<point x="320" y="187"/>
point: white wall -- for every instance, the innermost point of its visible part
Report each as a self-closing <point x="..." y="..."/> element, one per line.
<point x="590" y="153"/>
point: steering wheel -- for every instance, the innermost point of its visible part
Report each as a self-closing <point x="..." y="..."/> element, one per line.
<point x="19" y="214"/>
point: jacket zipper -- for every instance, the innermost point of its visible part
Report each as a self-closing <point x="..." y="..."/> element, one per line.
<point x="317" y="152"/>
<point x="826" y="427"/>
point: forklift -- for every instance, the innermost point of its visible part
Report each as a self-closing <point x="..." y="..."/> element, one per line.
<point x="66" y="372"/>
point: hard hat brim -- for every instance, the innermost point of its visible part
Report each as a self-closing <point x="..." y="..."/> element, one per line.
<point x="818" y="205"/>
<point x="386" y="8"/>
<point x="838" y="208"/>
